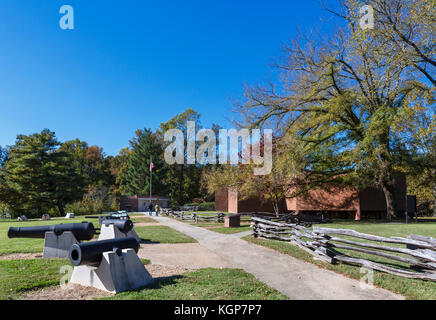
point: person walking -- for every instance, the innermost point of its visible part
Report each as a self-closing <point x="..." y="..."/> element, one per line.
<point x="150" y="209"/>
<point x="157" y="208"/>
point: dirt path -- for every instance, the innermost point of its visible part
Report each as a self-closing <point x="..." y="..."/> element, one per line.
<point x="186" y="255"/>
<point x="292" y="277"/>
<point x="78" y="292"/>
<point x="21" y="256"/>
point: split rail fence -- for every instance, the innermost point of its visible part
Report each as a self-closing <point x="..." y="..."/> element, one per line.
<point x="196" y="217"/>
<point x="416" y="254"/>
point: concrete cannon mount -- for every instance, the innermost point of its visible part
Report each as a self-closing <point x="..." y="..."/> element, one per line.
<point x="58" y="246"/>
<point x="116" y="273"/>
<point x="112" y="232"/>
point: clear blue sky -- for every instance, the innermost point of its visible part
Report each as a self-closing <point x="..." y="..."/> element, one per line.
<point x="134" y="64"/>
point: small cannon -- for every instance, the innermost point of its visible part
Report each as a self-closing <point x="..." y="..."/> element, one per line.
<point x="117" y="228"/>
<point x="58" y="238"/>
<point x="123" y="225"/>
<point x="81" y="231"/>
<point x="91" y="253"/>
<point x="111" y="265"/>
<point x="112" y="216"/>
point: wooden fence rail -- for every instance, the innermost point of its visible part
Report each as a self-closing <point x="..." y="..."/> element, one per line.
<point x="196" y="217"/>
<point x="419" y="253"/>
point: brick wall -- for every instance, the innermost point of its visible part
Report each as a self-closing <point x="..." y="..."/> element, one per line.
<point x="129" y="203"/>
<point x="222" y="200"/>
<point x="340" y="202"/>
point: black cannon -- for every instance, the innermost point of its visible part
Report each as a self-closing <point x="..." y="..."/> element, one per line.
<point x="91" y="253"/>
<point x="81" y="231"/>
<point x="123" y="225"/>
<point x="120" y="216"/>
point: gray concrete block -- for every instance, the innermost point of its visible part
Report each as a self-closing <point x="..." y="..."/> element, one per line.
<point x="111" y="232"/>
<point x="115" y="273"/>
<point x="58" y="246"/>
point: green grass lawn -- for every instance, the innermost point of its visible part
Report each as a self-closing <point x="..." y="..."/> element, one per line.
<point x="385" y="229"/>
<point x="206" y="284"/>
<point x="20" y="276"/>
<point x="142" y="219"/>
<point x="22" y="245"/>
<point x="232" y="230"/>
<point x="411" y="288"/>
<point x="162" y="234"/>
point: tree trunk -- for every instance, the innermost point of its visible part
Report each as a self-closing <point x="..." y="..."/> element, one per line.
<point x="276" y="207"/>
<point x="434" y="200"/>
<point x="180" y="197"/>
<point x="60" y="206"/>
<point x="390" y="203"/>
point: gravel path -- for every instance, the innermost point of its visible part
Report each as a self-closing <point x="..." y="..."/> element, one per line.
<point x="21" y="256"/>
<point x="294" y="278"/>
<point x="78" y="292"/>
<point x="186" y="255"/>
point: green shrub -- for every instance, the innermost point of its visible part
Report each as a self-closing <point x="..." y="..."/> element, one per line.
<point x="204" y="206"/>
<point x="5" y="211"/>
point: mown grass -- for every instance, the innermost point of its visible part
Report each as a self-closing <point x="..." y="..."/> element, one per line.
<point x="385" y="229"/>
<point x="162" y="234"/>
<point x="22" y="245"/>
<point x="411" y="288"/>
<point x="206" y="284"/>
<point x="20" y="276"/>
<point x="142" y="219"/>
<point x="232" y="230"/>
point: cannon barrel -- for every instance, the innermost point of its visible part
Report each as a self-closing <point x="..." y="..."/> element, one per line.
<point x="81" y="231"/>
<point x="110" y="216"/>
<point x="91" y="253"/>
<point x="123" y="225"/>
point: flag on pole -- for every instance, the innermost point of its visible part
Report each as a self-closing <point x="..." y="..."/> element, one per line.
<point x="151" y="166"/>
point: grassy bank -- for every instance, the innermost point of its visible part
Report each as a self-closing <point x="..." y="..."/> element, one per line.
<point x="20" y="276"/>
<point x="162" y="234"/>
<point x="410" y="288"/>
<point x="206" y="284"/>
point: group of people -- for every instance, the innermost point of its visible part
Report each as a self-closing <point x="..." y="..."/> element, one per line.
<point x="152" y="208"/>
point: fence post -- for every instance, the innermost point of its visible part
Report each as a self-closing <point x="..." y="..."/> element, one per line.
<point x="254" y="226"/>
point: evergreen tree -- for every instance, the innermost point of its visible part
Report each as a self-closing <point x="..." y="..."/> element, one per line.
<point x="183" y="180"/>
<point x="38" y="176"/>
<point x="137" y="176"/>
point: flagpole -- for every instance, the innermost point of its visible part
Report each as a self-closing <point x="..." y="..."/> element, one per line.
<point x="151" y="161"/>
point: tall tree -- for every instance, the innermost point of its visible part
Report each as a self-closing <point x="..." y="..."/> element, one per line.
<point x="183" y="180"/>
<point x="4" y="152"/>
<point x="38" y="176"/>
<point x="137" y="177"/>
<point x="343" y="99"/>
<point x="119" y="168"/>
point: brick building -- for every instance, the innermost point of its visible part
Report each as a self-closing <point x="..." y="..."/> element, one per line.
<point x="141" y="203"/>
<point x="347" y="203"/>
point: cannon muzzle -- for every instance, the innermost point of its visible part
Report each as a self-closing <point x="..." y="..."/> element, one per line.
<point x="123" y="225"/>
<point x="91" y="253"/>
<point x="81" y="231"/>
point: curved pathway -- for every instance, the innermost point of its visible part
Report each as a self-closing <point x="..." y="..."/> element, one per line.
<point x="295" y="278"/>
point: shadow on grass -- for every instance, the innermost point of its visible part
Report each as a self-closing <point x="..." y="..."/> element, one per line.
<point x="147" y="241"/>
<point x="425" y="221"/>
<point x="388" y="263"/>
<point x="160" y="282"/>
